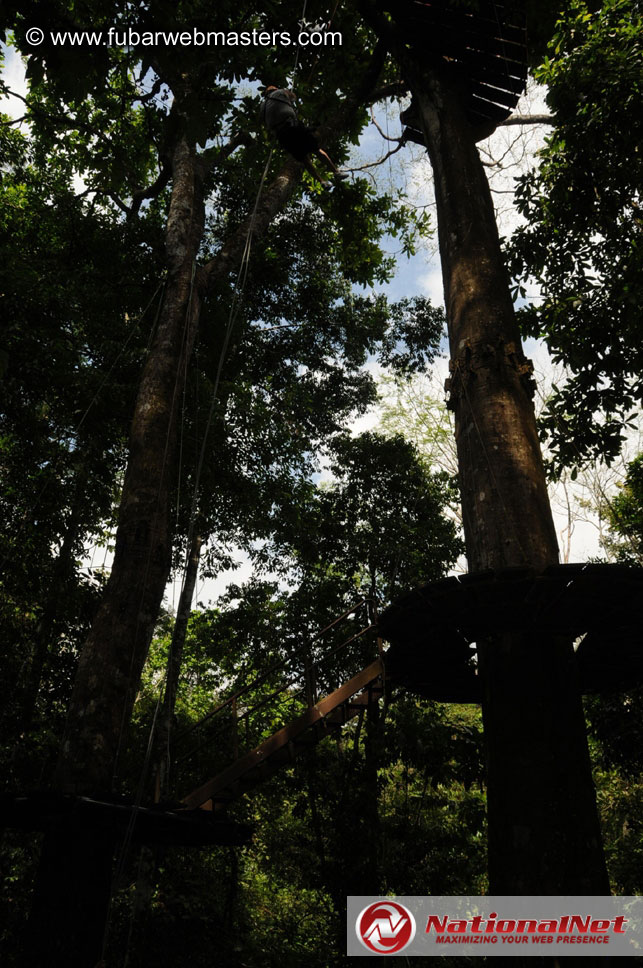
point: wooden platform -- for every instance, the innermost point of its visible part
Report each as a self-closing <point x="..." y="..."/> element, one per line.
<point x="432" y="630"/>
<point x="158" y="824"/>
<point x="486" y="45"/>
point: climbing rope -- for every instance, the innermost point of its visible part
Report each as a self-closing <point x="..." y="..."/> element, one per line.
<point x="301" y="27"/>
<point x="140" y="610"/>
<point x="235" y="307"/>
<point x="123" y="852"/>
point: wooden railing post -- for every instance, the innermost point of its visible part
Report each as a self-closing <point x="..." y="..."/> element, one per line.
<point x="309" y="679"/>
<point x="235" y="729"/>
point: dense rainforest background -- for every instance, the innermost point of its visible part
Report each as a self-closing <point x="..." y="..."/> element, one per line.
<point x="191" y="329"/>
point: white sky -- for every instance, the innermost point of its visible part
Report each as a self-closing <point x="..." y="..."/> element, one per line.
<point x="14" y="77"/>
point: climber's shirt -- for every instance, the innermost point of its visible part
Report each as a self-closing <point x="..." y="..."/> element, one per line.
<point x="279" y="117"/>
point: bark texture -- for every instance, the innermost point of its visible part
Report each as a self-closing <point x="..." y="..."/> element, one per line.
<point x="112" y="659"/>
<point x="76" y="864"/>
<point x="544" y="836"/>
<point x="501" y="470"/>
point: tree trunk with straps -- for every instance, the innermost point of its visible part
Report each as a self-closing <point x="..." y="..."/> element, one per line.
<point x="544" y="835"/>
<point x="73" y="885"/>
<point x="76" y="864"/>
<point x="112" y="659"/>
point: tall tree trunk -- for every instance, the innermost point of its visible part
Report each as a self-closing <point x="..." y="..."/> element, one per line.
<point x="112" y="659"/>
<point x="150" y="858"/>
<point x="544" y="836"/>
<point x="77" y="864"/>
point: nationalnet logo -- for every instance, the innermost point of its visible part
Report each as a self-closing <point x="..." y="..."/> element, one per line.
<point x="568" y="929"/>
<point x="568" y="926"/>
<point x="385" y="927"/>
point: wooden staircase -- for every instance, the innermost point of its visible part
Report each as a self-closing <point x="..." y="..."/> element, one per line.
<point x="326" y="716"/>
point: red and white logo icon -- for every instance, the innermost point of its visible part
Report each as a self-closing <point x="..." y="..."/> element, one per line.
<point x="385" y="927"/>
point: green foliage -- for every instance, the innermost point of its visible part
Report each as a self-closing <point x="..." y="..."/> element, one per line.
<point x="413" y="409"/>
<point x="82" y="285"/>
<point x="385" y="809"/>
<point x="293" y="378"/>
<point x="76" y="294"/>
<point x="625" y="516"/>
<point x="396" y="803"/>
<point x="620" y="801"/>
<point x="20" y="852"/>
<point x="616" y="734"/>
<point x="379" y="524"/>
<point x="376" y="530"/>
<point x="582" y="240"/>
<point x="433" y="805"/>
<point x="615" y="720"/>
<point x="295" y="373"/>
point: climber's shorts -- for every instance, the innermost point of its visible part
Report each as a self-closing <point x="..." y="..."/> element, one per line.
<point x="298" y="140"/>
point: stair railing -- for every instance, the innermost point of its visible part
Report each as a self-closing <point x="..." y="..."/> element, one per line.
<point x="230" y="714"/>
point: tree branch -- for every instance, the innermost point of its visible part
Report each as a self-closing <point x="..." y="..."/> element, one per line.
<point x="8" y="124"/>
<point x="152" y="191"/>
<point x="272" y="201"/>
<point x="373" y="164"/>
<point x="387" y="137"/>
<point x="212" y="156"/>
<point x="103" y="193"/>
<point x="528" y="119"/>
<point x="118" y="202"/>
<point x="394" y="89"/>
<point x="151" y="94"/>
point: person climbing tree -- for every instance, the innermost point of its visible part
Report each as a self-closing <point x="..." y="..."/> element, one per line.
<point x="279" y="117"/>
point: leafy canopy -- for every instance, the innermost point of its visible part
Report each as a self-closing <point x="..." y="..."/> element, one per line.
<point x="583" y="242"/>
